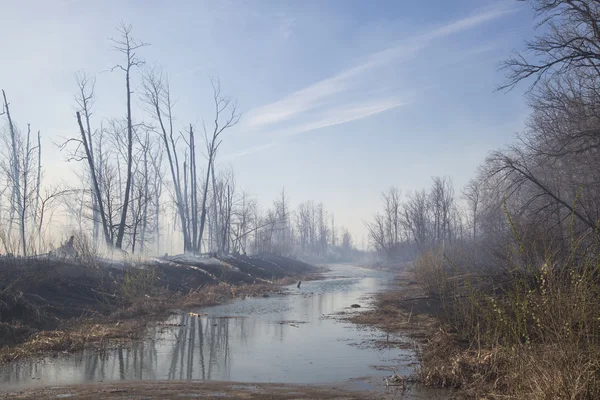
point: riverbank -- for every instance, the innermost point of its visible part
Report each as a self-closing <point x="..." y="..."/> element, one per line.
<point x="406" y="310"/>
<point x="51" y="307"/>
<point x="496" y="335"/>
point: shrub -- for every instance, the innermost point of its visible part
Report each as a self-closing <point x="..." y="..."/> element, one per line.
<point x="139" y="282"/>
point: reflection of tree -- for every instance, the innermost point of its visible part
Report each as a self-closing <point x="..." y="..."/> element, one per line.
<point x="211" y="346"/>
<point x="201" y="347"/>
<point x="182" y="346"/>
<point x="281" y="332"/>
<point x="243" y="331"/>
<point x="121" y="364"/>
<point x="90" y="365"/>
<point x="152" y="359"/>
<point x="218" y="343"/>
<point x="190" y="353"/>
<point x="194" y="350"/>
<point x="208" y="347"/>
<point x="176" y="346"/>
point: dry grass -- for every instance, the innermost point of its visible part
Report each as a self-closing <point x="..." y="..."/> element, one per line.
<point x="397" y="311"/>
<point x="70" y="340"/>
<point x="218" y="294"/>
<point x="529" y="333"/>
<point x="554" y="372"/>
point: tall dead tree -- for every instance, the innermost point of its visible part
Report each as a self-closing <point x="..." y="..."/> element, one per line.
<point x="25" y="195"/>
<point x="15" y="174"/>
<point x="193" y="189"/>
<point x="128" y="46"/>
<point x="226" y="116"/>
<point x="85" y="100"/>
<point x="95" y="159"/>
<point x="83" y="141"/>
<point x="23" y="160"/>
<point x="38" y="183"/>
<point x="157" y="97"/>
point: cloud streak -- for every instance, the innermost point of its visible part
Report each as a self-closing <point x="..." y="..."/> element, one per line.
<point x="335" y="116"/>
<point x="316" y="95"/>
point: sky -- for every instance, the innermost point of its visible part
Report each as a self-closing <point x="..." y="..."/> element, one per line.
<point x="340" y="99"/>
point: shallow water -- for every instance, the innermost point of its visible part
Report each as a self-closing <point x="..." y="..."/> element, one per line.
<point x="282" y="338"/>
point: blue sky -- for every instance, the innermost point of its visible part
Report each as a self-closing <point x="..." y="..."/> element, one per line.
<point x="340" y="99"/>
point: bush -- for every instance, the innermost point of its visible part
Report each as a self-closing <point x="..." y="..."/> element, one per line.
<point x="138" y="283"/>
<point x="430" y="272"/>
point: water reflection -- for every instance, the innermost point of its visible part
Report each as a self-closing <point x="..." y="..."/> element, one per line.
<point x="276" y="339"/>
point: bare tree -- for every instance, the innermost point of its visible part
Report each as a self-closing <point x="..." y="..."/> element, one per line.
<point x="570" y="42"/>
<point x="127" y="45"/>
<point x="347" y="243"/>
<point x="85" y="99"/>
<point x="14" y="174"/>
<point x="158" y="98"/>
<point x="472" y="194"/>
<point x="83" y="141"/>
<point x="226" y="116"/>
<point x="20" y="166"/>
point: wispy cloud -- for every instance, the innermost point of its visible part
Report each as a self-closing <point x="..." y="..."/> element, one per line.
<point x="347" y="113"/>
<point x="249" y="150"/>
<point x="335" y="116"/>
<point x="315" y="95"/>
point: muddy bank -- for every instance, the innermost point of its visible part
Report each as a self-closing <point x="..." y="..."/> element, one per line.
<point x="56" y="306"/>
<point x="405" y="310"/>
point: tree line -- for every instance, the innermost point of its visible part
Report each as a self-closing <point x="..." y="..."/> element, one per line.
<point x="544" y="188"/>
<point x="148" y="184"/>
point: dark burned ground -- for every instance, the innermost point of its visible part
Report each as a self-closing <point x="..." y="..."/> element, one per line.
<point x="60" y="305"/>
<point x="184" y="273"/>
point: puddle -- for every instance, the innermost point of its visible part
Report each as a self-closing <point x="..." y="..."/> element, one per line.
<point x="281" y="338"/>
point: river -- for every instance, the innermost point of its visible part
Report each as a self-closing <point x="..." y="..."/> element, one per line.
<point x="289" y="338"/>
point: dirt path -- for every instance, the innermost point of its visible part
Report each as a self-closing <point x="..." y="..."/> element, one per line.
<point x="196" y="390"/>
